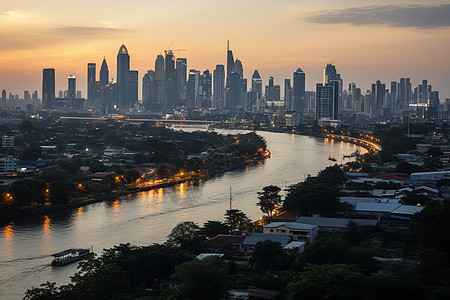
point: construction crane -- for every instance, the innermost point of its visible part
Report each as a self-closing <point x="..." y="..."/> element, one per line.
<point x="170" y="51"/>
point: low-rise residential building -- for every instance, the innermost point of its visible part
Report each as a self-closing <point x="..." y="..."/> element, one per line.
<point x="8" y="165"/>
<point x="429" y="177"/>
<point x="296" y="231"/>
<point x="251" y="240"/>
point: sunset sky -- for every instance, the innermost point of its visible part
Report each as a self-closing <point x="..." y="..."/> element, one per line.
<point x="366" y="40"/>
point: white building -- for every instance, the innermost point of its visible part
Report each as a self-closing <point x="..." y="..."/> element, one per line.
<point x="296" y="231"/>
<point x="429" y="177"/>
<point x="8" y="142"/>
<point x="113" y="151"/>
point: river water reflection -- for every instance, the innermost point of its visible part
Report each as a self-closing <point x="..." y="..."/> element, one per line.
<point x="148" y="217"/>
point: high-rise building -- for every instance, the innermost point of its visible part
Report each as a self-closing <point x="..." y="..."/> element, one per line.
<point x="354" y="97"/>
<point x="238" y="67"/>
<point x="205" y="90"/>
<point x="379" y="93"/>
<point x="26" y="96"/>
<point x="3" y="104"/>
<point x="272" y="91"/>
<point x="330" y="74"/>
<point x="148" y="90"/>
<point x="181" y="80"/>
<point x="230" y="60"/>
<point x="104" y="74"/>
<point x="72" y="87"/>
<point x="123" y="67"/>
<point x="170" y="81"/>
<point x="233" y="92"/>
<point x="288" y="93"/>
<point x="299" y="91"/>
<point x="48" y="88"/>
<point x="327" y="100"/>
<point x="219" y="87"/>
<point x="159" y="82"/>
<point x="132" y="88"/>
<point x="193" y="88"/>
<point x="91" y="83"/>
<point x="255" y="95"/>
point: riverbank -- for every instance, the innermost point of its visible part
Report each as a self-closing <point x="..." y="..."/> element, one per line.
<point x="43" y="210"/>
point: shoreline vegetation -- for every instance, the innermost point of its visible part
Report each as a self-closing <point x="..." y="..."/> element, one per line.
<point x="8" y="216"/>
<point x="221" y="154"/>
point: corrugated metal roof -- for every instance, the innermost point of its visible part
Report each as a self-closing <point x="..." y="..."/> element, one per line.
<point x="377" y="207"/>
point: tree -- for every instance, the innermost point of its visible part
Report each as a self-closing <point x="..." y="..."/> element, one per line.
<point x="213" y="228"/>
<point x="269" y="255"/>
<point x="131" y="176"/>
<point x="27" y="191"/>
<point x="269" y="199"/>
<point x="333" y="175"/>
<point x="311" y="196"/>
<point x="328" y="282"/>
<point x="60" y="191"/>
<point x="203" y="279"/>
<point x="236" y="220"/>
<point x="187" y="235"/>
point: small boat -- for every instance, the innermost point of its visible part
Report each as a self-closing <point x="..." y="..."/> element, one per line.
<point x="331" y="158"/>
<point x="69" y="256"/>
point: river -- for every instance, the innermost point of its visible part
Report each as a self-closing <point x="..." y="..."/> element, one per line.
<point x="148" y="217"/>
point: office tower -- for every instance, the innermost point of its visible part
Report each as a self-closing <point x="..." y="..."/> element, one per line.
<point x="238" y="67"/>
<point x="34" y="97"/>
<point x="26" y="96"/>
<point x="327" y="95"/>
<point x="193" y="88"/>
<point x="181" y="80"/>
<point x="159" y="82"/>
<point x="3" y="97"/>
<point x="123" y="67"/>
<point x="355" y="98"/>
<point x="219" y="87"/>
<point x="392" y="99"/>
<point x="132" y="88"/>
<point x="298" y="104"/>
<point x="330" y="74"/>
<point x="205" y="83"/>
<point x="79" y="94"/>
<point x="255" y="96"/>
<point x="379" y="93"/>
<point x="104" y="74"/>
<point x="272" y="91"/>
<point x="233" y="91"/>
<point x="148" y="90"/>
<point x="71" y="87"/>
<point x="287" y="95"/>
<point x="48" y="88"/>
<point x="424" y="94"/>
<point x="230" y="60"/>
<point x="434" y="103"/>
<point x="170" y="78"/>
<point x="91" y="83"/>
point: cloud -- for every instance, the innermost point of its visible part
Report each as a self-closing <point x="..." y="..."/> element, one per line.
<point x="89" y="31"/>
<point x="418" y="16"/>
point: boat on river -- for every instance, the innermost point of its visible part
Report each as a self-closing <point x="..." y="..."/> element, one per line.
<point x="331" y="158"/>
<point x="69" y="256"/>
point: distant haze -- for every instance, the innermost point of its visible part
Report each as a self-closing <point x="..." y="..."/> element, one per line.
<point x="366" y="41"/>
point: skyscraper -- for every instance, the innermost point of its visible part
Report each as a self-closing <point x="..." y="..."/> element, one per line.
<point x="148" y="89"/>
<point x="72" y="87"/>
<point x="181" y="80"/>
<point x="159" y="82"/>
<point x="330" y="74"/>
<point x="230" y="60"/>
<point x="287" y="95"/>
<point x="48" y="88"/>
<point x="379" y="92"/>
<point x="219" y="87"/>
<point x="170" y="79"/>
<point x="299" y="104"/>
<point x="123" y="67"/>
<point x="91" y="83"/>
<point x="104" y="74"/>
<point x="272" y="91"/>
<point x="193" y="88"/>
<point x="326" y="100"/>
<point x="132" y="89"/>
<point x="205" y="90"/>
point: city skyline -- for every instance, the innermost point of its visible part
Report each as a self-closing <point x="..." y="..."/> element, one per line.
<point x="384" y="47"/>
